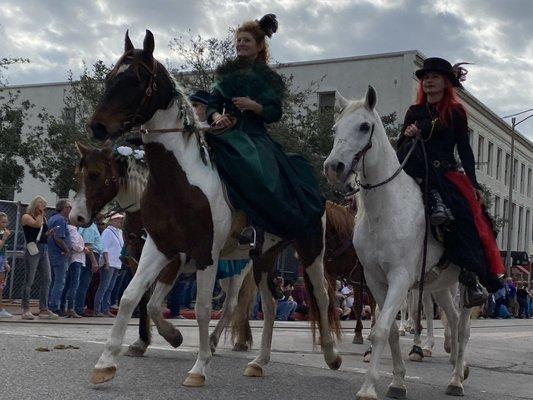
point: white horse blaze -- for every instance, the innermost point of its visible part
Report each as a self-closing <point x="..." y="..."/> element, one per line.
<point x="389" y="217"/>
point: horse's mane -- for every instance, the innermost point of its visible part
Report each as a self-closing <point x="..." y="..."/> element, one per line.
<point x="342" y="219"/>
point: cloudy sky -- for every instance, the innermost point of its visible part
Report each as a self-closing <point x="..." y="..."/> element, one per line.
<point x="496" y="35"/>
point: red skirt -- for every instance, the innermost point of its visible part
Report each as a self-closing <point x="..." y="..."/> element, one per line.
<point x="482" y="222"/>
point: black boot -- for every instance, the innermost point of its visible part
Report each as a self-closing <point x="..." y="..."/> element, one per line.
<point x="252" y="237"/>
<point x="475" y="295"/>
<point x="438" y="212"/>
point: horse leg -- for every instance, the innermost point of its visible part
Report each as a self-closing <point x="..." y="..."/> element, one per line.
<point x="150" y="265"/>
<point x="155" y="309"/>
<point x="427" y="348"/>
<point x="255" y="367"/>
<point x="397" y="389"/>
<point x="444" y="299"/>
<point x="403" y="315"/>
<point x="358" y="311"/>
<point x="231" y="287"/>
<point x="460" y="371"/>
<point x="205" y="280"/>
<point x="315" y="272"/>
<point x="416" y="354"/>
<point x="138" y="348"/>
<point x="241" y="333"/>
<point x="389" y="305"/>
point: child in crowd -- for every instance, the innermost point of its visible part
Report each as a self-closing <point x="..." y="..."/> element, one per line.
<point x="4" y="266"/>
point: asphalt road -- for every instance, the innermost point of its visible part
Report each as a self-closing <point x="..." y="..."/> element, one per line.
<point x="500" y="355"/>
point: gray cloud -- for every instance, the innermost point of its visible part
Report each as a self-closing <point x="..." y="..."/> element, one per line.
<point x="495" y="35"/>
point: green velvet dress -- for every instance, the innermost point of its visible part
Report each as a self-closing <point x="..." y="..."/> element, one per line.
<point x="277" y="191"/>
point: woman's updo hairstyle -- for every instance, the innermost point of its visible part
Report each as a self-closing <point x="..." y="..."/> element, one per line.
<point x="259" y="29"/>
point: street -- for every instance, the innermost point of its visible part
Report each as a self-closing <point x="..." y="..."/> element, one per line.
<point x="499" y="354"/>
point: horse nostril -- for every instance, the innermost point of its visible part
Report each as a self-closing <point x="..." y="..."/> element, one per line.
<point x="339" y="168"/>
<point x="81" y="219"/>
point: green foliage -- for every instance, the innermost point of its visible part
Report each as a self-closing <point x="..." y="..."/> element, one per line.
<point x="13" y="113"/>
<point x="53" y="141"/>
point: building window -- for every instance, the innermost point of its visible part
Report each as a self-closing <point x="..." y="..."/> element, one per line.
<point x="489" y="159"/>
<point x="326" y="106"/>
<point x="480" y="152"/>
<point x="526" y="235"/>
<point x="520" y="230"/>
<point x="499" y="164"/>
<point x="507" y="169"/>
<point x="69" y="116"/>
<point x="522" y="177"/>
<point x="529" y="182"/>
<point x="515" y="172"/>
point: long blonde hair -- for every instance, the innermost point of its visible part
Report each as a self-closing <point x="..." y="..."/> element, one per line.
<point x="33" y="204"/>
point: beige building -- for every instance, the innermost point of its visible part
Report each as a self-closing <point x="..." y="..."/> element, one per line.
<point x="392" y="75"/>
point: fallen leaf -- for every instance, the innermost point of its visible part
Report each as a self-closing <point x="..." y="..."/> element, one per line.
<point x="42" y="349"/>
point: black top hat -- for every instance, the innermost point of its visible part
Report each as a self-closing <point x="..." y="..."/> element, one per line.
<point x="201" y="96"/>
<point x="455" y="73"/>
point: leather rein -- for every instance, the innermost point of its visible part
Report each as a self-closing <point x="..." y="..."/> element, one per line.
<point x="361" y="154"/>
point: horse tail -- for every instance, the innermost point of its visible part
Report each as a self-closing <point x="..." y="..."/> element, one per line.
<point x="314" y="313"/>
<point x="240" y="325"/>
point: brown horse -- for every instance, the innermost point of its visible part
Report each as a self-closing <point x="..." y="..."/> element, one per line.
<point x="340" y="262"/>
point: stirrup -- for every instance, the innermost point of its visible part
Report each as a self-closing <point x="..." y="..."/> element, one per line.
<point x="247" y="239"/>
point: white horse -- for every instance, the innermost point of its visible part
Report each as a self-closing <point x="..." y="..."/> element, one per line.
<point x="185" y="210"/>
<point x="388" y="237"/>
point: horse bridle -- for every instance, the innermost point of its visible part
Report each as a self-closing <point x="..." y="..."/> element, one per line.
<point x="361" y="154"/>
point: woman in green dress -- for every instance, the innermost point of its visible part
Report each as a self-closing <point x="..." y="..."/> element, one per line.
<point x="278" y="191"/>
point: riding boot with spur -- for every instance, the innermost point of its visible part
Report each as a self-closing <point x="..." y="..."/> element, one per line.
<point x="475" y="294"/>
<point x="439" y="213"/>
<point x="252" y="237"/>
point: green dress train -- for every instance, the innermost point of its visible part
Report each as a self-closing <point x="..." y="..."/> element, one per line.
<point x="278" y="191"/>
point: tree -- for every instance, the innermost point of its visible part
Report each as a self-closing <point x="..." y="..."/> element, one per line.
<point x="13" y="113"/>
<point x="54" y="139"/>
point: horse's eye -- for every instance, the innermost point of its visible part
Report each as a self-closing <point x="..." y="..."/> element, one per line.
<point x="365" y="127"/>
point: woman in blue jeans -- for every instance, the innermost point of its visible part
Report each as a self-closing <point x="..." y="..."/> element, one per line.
<point x="112" y="243"/>
<point x="78" y="252"/>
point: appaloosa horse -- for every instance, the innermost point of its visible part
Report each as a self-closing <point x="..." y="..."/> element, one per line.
<point x="389" y="232"/>
<point x="105" y="175"/>
<point x="185" y="211"/>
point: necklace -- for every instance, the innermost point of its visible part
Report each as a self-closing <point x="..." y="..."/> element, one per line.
<point x="434" y="121"/>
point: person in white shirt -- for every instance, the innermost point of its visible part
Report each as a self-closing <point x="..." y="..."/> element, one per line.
<point x="76" y="262"/>
<point x="112" y="246"/>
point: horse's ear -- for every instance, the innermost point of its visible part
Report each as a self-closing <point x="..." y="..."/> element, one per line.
<point x="148" y="44"/>
<point x="371" y="98"/>
<point x="340" y="104"/>
<point x="82" y="149"/>
<point x="128" y="45"/>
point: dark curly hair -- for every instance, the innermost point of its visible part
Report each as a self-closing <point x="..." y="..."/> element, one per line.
<point x="259" y="29"/>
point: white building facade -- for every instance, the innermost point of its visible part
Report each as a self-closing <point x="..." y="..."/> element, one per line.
<point x="392" y="75"/>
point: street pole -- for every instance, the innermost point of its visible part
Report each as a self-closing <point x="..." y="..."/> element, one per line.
<point x="510" y="203"/>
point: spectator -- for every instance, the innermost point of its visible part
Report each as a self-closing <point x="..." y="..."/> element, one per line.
<point x="286" y="305"/>
<point x="347" y="292"/>
<point x="522" y="296"/>
<point x="340" y="298"/>
<point x="5" y="233"/>
<point x="93" y="242"/>
<point x="199" y="101"/>
<point x="59" y="252"/>
<point x="95" y="281"/>
<point x="36" y="231"/>
<point x="499" y="300"/>
<point x="301" y="297"/>
<point x="512" y="305"/>
<point x="112" y="242"/>
<point x="78" y="251"/>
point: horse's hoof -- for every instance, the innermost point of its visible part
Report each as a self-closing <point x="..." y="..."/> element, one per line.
<point x="175" y="340"/>
<point x="452" y="390"/>
<point x="135" y="351"/>
<point x="427" y="352"/>
<point x="366" y="396"/>
<point x="254" y="370"/>
<point x="466" y="373"/>
<point x="401" y="332"/>
<point x="447" y="347"/>
<point x="101" y="375"/>
<point x="412" y="331"/>
<point x="396" y="392"/>
<point x="240" y="347"/>
<point x="358" y="339"/>
<point x="415" y="357"/>
<point x="194" y="380"/>
<point x="336" y="364"/>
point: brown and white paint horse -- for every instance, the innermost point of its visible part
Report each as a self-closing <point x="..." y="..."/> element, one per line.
<point x="186" y="210"/>
<point x="104" y="176"/>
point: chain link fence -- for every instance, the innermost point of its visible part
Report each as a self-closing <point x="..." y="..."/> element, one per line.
<point x="15" y="251"/>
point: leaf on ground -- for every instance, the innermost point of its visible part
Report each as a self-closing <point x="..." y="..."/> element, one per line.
<point x="42" y="349"/>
